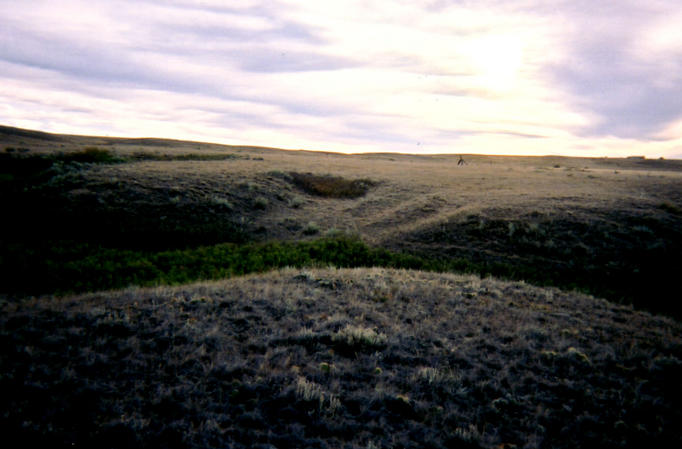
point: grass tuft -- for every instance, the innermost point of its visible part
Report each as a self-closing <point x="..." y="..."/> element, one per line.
<point x="361" y="337"/>
<point x="311" y="228"/>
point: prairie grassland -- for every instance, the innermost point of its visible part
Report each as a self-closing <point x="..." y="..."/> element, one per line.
<point x="413" y="192"/>
<point x="313" y="357"/>
<point x="484" y="182"/>
<point x="611" y="227"/>
<point x="339" y="358"/>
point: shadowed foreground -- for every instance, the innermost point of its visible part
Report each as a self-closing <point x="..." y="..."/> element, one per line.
<point x="339" y="358"/>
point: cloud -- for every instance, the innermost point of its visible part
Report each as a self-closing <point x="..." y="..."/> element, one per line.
<point x="508" y="77"/>
<point x="621" y="65"/>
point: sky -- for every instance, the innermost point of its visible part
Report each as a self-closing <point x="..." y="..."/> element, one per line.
<point x="534" y="77"/>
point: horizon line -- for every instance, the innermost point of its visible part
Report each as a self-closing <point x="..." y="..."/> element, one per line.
<point x="36" y="133"/>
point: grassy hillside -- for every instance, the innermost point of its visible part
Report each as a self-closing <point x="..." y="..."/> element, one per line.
<point x="339" y="358"/>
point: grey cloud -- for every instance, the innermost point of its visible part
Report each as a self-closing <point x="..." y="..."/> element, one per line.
<point x="318" y="107"/>
<point x="80" y="59"/>
<point x="265" y="59"/>
<point x="622" y="92"/>
<point x="369" y="128"/>
<point x="261" y="7"/>
<point x="209" y="35"/>
<point x="238" y="120"/>
<point x="87" y="63"/>
<point x="516" y="134"/>
<point x="287" y="31"/>
<point x="467" y="92"/>
<point x="251" y="49"/>
<point x="265" y="51"/>
<point x="448" y="134"/>
<point x="606" y="79"/>
<point x="198" y="32"/>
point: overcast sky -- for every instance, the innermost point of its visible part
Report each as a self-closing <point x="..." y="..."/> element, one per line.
<point x="573" y="77"/>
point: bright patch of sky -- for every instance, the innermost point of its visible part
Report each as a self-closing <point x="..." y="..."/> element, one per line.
<point x="576" y="77"/>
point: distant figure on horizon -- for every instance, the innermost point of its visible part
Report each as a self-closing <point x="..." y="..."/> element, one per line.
<point x="461" y="160"/>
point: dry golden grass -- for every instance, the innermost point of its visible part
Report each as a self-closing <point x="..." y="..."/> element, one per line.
<point x="413" y="191"/>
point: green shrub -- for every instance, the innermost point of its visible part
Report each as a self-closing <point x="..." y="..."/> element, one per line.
<point x="68" y="266"/>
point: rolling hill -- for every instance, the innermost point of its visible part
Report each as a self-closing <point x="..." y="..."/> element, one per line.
<point x="394" y="301"/>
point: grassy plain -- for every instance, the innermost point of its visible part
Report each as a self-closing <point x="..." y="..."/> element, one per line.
<point x="335" y="358"/>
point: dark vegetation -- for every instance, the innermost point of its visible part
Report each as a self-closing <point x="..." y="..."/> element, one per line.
<point x="71" y="266"/>
<point x="331" y="186"/>
<point x="18" y="161"/>
<point x="627" y="257"/>
<point x="146" y="156"/>
<point x="46" y="203"/>
<point x="329" y="359"/>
